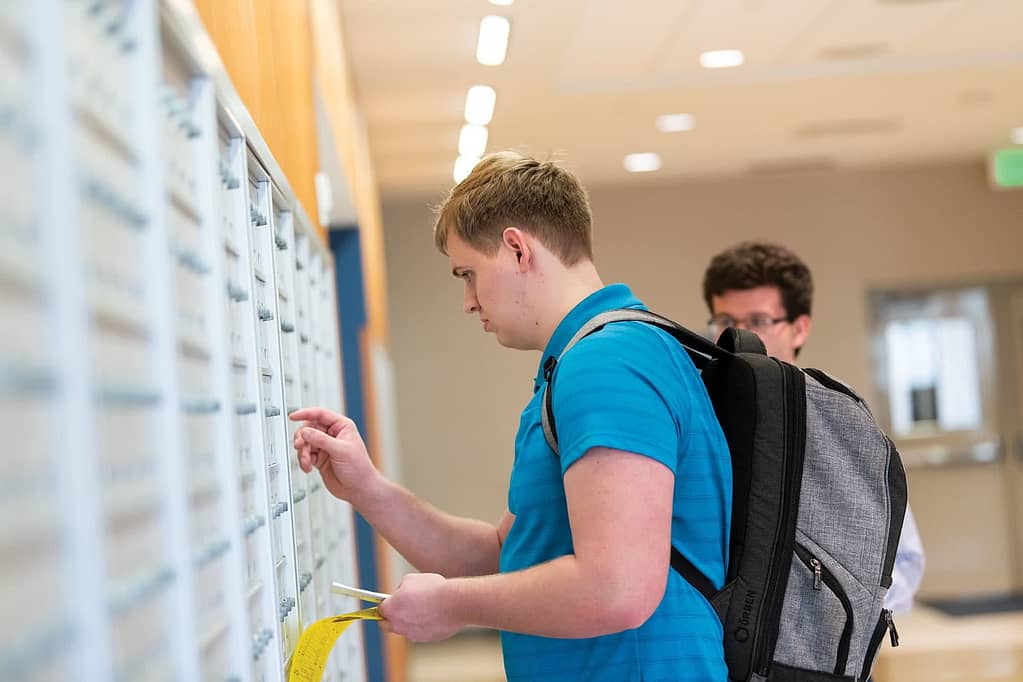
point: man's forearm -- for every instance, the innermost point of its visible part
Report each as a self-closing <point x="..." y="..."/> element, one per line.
<point x="431" y="540"/>
<point x="559" y="598"/>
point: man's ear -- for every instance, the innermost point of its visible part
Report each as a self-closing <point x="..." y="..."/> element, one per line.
<point x="518" y="242"/>
<point x="801" y="328"/>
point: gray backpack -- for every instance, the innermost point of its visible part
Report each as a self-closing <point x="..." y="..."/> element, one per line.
<point x="819" y="495"/>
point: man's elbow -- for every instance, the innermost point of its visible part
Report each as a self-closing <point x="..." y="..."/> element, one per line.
<point x="631" y="616"/>
<point x="632" y="608"/>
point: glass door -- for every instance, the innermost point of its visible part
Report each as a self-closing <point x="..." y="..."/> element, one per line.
<point x="949" y="367"/>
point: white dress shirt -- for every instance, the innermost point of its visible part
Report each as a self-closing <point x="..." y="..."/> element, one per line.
<point x="909" y="567"/>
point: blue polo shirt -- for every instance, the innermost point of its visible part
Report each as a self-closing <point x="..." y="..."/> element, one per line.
<point x="629" y="387"/>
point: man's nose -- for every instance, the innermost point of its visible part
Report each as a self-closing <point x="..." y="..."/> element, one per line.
<point x="469" y="304"/>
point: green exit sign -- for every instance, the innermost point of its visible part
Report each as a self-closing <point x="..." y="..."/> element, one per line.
<point x="1007" y="167"/>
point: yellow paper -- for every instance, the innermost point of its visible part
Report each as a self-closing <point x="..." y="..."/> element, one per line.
<point x="310" y="657"/>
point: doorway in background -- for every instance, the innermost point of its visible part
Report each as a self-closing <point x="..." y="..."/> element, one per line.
<point x="949" y="367"/>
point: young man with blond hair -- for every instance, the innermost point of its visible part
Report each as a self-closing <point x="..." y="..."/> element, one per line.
<point x="576" y="573"/>
<point x="768" y="289"/>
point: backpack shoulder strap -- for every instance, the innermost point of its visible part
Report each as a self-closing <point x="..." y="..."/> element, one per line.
<point x="699" y="348"/>
<point x="693" y="575"/>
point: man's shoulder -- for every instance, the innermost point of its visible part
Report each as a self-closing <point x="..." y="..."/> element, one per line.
<point x="627" y="350"/>
<point x="629" y="336"/>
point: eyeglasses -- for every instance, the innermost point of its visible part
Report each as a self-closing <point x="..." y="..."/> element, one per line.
<point x="757" y="322"/>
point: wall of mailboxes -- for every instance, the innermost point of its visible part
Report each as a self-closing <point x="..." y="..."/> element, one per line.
<point x="166" y="305"/>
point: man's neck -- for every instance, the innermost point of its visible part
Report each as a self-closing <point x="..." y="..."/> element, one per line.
<point x="568" y="287"/>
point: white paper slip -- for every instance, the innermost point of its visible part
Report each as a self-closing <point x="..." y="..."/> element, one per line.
<point x="358" y="593"/>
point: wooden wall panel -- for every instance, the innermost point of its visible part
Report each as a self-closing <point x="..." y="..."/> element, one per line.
<point x="232" y="26"/>
<point x="266" y="47"/>
<point x="339" y="95"/>
<point x="291" y="102"/>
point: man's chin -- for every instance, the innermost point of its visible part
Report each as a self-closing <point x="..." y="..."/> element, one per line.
<point x="508" y="343"/>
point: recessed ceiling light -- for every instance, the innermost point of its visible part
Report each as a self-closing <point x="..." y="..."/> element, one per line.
<point x="472" y="141"/>
<point x="1017" y="135"/>
<point x="479" y="104"/>
<point x="643" y="162"/>
<point x="502" y="3"/>
<point x="464" y="166"/>
<point x="493" y="42"/>
<point x="721" y="59"/>
<point x="674" y="123"/>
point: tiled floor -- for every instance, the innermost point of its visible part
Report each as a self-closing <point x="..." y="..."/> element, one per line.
<point x="470" y="657"/>
<point x="933" y="647"/>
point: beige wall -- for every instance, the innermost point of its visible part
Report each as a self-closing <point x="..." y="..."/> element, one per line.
<point x="459" y="393"/>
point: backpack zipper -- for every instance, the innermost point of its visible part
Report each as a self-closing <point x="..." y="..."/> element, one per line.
<point x="822" y="575"/>
<point x="884" y="624"/>
<point x="766" y="634"/>
<point x="895" y="479"/>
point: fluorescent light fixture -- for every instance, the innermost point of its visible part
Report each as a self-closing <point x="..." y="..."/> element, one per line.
<point x="493" y="43"/>
<point x="472" y="141"/>
<point x="1017" y="135"/>
<point x="721" y="59"/>
<point x="642" y="163"/>
<point x="464" y="166"/>
<point x="502" y="3"/>
<point x="479" y="104"/>
<point x="674" y="123"/>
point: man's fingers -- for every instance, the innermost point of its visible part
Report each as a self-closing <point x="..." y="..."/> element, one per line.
<point x="316" y="439"/>
<point x="319" y="459"/>
<point x="321" y="419"/>
<point x="383" y="607"/>
<point x="308" y="456"/>
<point x="306" y="414"/>
<point x="302" y="450"/>
<point x="305" y="459"/>
<point x="317" y="416"/>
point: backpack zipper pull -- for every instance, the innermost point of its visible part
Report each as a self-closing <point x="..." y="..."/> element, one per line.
<point x="816" y="564"/>
<point x="892" y="632"/>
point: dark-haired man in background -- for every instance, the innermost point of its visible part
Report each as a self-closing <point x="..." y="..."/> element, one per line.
<point x="767" y="289"/>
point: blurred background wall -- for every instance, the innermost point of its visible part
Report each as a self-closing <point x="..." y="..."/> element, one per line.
<point x="460" y="393"/>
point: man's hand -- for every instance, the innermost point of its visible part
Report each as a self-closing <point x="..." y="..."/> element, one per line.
<point x="421" y="609"/>
<point x="331" y="443"/>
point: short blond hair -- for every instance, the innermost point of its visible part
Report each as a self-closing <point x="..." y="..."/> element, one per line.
<point x="508" y="189"/>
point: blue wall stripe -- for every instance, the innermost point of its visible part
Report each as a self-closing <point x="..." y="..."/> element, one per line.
<point x="351" y="301"/>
